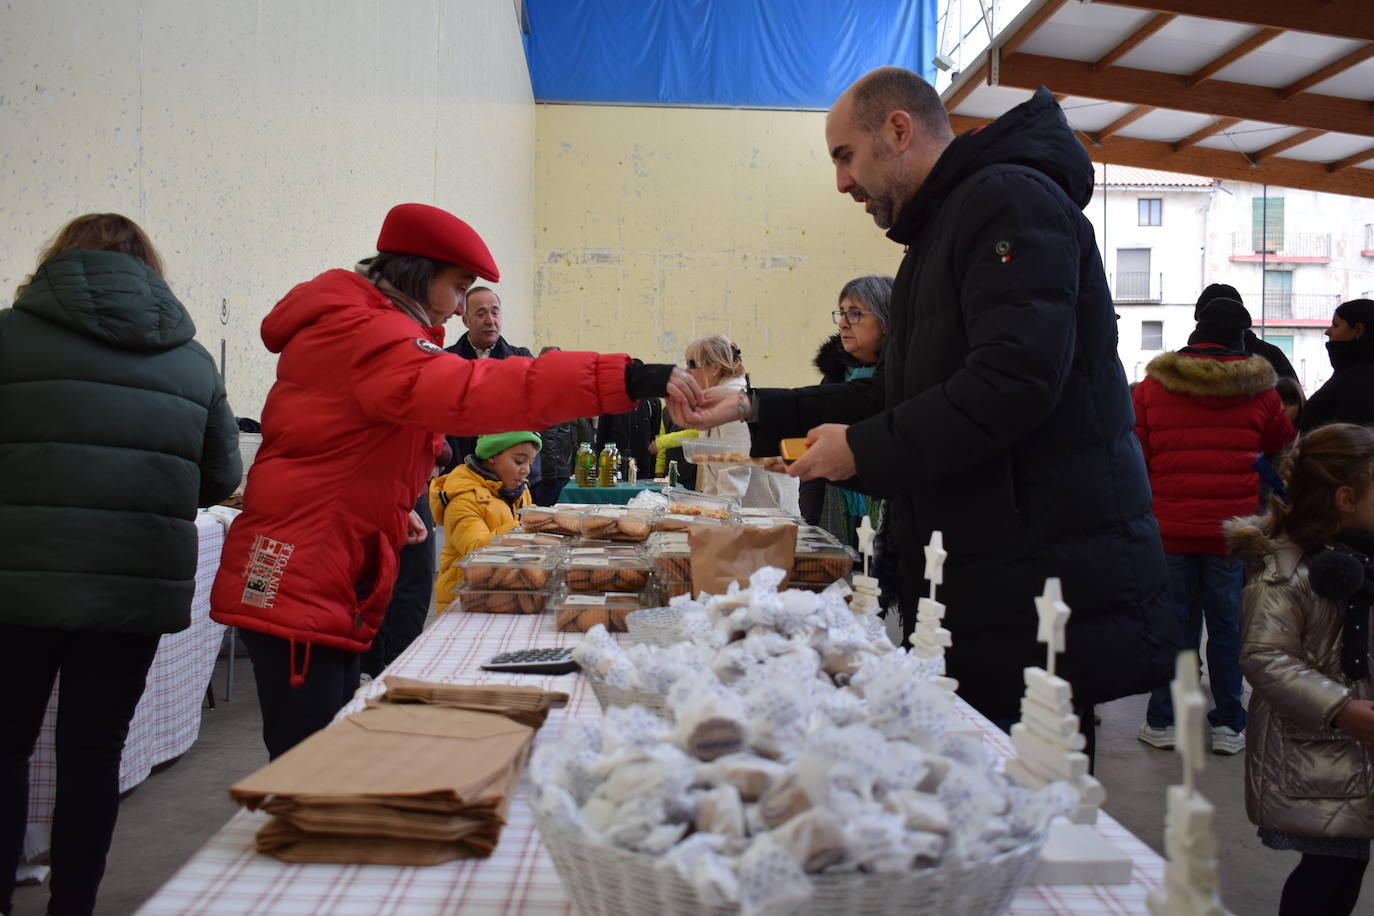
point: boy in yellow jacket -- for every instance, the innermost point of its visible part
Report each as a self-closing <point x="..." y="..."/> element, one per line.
<point x="479" y="499"/>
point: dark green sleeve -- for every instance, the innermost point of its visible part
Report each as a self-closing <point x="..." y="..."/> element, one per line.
<point x="221" y="468"/>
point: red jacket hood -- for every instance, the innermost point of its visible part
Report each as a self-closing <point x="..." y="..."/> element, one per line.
<point x="307" y="302"/>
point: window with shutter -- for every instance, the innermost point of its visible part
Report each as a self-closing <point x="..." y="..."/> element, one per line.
<point x="1267" y="224"/>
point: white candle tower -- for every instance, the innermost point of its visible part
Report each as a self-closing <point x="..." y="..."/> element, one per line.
<point x="931" y="639"/>
<point x="1190" y="843"/>
<point x="865" y="587"/>
<point x="1048" y="742"/>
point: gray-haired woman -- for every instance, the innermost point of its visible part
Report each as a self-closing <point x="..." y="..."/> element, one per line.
<point x="854" y="352"/>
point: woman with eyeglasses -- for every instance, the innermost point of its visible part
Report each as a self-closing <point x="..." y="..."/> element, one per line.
<point x="712" y="361"/>
<point x="852" y="353"/>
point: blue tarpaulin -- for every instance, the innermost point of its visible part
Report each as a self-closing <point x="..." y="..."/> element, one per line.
<point x="720" y="53"/>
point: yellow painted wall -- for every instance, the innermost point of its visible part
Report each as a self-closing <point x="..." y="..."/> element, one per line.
<point x="262" y="143"/>
<point x="654" y="226"/>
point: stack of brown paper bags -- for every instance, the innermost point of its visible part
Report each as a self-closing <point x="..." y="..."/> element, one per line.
<point x="423" y="775"/>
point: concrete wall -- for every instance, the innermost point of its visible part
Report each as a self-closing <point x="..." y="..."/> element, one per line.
<point x="260" y="144"/>
<point x="655" y="226"/>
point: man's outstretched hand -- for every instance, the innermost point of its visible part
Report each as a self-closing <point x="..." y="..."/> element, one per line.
<point x="828" y="454"/>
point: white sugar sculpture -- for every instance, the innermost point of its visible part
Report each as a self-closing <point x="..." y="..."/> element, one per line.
<point x="931" y="639"/>
<point x="1190" y="842"/>
<point x="1049" y="747"/>
<point x="866" y="591"/>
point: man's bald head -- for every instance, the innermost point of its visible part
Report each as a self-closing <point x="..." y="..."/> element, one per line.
<point x="880" y="92"/>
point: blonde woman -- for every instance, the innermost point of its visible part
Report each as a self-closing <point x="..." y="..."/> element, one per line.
<point x="712" y="361"/>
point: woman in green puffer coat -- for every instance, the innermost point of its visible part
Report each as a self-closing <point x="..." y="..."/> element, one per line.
<point x="114" y="428"/>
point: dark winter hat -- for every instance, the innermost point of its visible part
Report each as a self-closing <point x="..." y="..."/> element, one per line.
<point x="434" y="233"/>
<point x="1215" y="291"/>
<point x="1223" y="322"/>
<point x="1358" y="311"/>
<point x="499" y="442"/>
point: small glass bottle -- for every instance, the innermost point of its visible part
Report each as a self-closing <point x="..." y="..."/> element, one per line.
<point x="605" y="474"/>
<point x="672" y="473"/>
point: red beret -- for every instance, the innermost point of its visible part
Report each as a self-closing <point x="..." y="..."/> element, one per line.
<point x="434" y="233"/>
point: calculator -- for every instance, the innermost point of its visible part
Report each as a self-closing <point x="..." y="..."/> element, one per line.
<point x="533" y="661"/>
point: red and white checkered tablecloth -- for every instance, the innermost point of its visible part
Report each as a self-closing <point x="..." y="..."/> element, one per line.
<point x="227" y="877"/>
<point x="167" y="719"/>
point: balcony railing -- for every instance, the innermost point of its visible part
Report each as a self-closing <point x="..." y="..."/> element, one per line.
<point x="1281" y="306"/>
<point x="1289" y="246"/>
<point x="1138" y="286"/>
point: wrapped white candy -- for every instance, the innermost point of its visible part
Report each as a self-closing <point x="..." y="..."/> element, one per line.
<point x="720" y="811"/>
<point x="770" y="880"/>
<point x="815" y="839"/>
<point x="699" y="862"/>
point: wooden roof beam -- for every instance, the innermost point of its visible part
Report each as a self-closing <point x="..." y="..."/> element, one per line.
<point x="1133" y="41"/>
<point x="1357" y="56"/>
<point x="1255" y="41"/>
<point x="1042" y="16"/>
<point x="1219" y="163"/>
<point x="1348" y="161"/>
<point x="1130" y="117"/>
<point x="1286" y="143"/>
<point x="1210" y="130"/>
<point x="1341" y="18"/>
<point x="1167" y="90"/>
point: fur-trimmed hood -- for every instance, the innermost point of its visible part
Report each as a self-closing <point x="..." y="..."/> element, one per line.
<point x="833" y="360"/>
<point x="1205" y="375"/>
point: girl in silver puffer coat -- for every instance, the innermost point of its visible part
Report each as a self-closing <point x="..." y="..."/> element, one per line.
<point x="1305" y="651"/>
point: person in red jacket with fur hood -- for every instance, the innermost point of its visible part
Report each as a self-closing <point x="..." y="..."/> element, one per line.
<point x="351" y="429"/>
<point x="1203" y="416"/>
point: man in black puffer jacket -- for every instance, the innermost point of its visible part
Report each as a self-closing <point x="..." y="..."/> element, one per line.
<point x="1000" y="413"/>
<point x="114" y="428"/>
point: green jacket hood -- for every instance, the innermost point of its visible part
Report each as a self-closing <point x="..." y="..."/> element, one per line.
<point x="112" y="297"/>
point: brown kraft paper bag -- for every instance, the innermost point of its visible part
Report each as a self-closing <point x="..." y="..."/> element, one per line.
<point x="729" y="553"/>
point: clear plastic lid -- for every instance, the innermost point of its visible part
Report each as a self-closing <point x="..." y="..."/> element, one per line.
<point x="508" y="568"/>
<point x="552" y="519"/>
<point x="617" y="523"/>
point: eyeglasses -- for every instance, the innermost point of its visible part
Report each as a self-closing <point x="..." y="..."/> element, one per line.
<point x="850" y="316"/>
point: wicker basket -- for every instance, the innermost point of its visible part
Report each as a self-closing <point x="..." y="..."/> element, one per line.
<point x="603" y="880"/>
<point x="656" y="626"/>
<point x="610" y="695"/>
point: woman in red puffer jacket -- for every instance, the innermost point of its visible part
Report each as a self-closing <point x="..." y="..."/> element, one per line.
<point x="1203" y="415"/>
<point x="364" y="394"/>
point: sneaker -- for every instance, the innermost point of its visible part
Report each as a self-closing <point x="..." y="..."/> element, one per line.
<point x="1226" y="740"/>
<point x="1162" y="738"/>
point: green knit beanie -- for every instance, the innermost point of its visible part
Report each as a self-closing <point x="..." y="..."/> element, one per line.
<point x="499" y="442"/>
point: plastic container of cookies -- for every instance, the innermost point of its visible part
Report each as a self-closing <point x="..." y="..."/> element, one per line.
<point x="581" y="611"/>
<point x="485" y="601"/>
<point x="552" y="519"/>
<point x="683" y="522"/>
<point x="689" y="502"/>
<point x="508" y="570"/>
<point x="606" y="572"/>
<point x="672" y="559"/>
<point x="617" y="523"/>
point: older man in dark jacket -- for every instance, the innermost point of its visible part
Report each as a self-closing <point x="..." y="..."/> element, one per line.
<point x="1000" y="414"/>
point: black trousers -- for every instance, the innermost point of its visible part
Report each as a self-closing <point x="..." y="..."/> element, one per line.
<point x="292" y="714"/>
<point x="410" y="599"/>
<point x="1323" y="886"/>
<point x="103" y="676"/>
